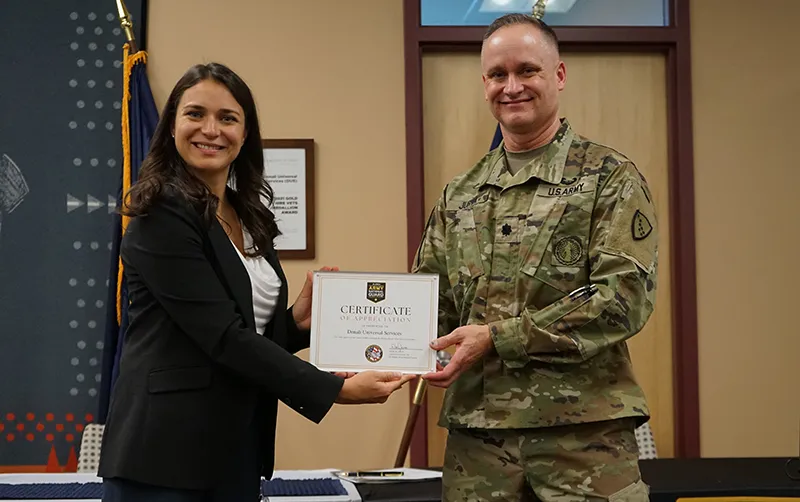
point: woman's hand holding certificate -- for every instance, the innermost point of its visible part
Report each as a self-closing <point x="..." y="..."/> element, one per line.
<point x="371" y="387"/>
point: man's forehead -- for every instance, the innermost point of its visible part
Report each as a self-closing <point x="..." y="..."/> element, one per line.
<point x="518" y="37"/>
<point x="515" y="53"/>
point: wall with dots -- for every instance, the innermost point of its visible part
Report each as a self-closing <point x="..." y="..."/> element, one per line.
<point x="60" y="166"/>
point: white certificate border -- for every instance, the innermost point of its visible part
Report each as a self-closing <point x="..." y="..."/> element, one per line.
<point x="316" y="302"/>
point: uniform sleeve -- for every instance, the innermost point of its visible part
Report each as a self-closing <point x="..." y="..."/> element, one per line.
<point x="431" y="259"/>
<point x="620" y="296"/>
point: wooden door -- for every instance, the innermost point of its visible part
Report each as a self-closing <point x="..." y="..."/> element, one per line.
<point x="616" y="99"/>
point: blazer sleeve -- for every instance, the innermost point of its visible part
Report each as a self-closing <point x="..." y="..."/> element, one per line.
<point x="165" y="248"/>
<point x="298" y="339"/>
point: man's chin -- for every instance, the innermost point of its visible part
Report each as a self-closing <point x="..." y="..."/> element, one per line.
<point x="518" y="124"/>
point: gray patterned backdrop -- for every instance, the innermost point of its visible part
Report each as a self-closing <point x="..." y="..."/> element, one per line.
<point x="60" y="165"/>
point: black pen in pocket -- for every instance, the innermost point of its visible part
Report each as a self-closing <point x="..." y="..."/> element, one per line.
<point x="583" y="292"/>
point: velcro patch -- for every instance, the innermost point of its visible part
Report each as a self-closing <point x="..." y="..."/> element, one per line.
<point x="633" y="233"/>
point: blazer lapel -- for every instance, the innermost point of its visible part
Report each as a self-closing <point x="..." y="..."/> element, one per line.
<point x="233" y="272"/>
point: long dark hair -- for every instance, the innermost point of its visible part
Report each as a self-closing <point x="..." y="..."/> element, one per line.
<point x="164" y="170"/>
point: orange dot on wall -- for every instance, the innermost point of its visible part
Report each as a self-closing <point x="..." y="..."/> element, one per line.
<point x="60" y="427"/>
<point x="29" y="436"/>
<point x="49" y="437"/>
<point x="70" y="417"/>
<point x="20" y="427"/>
<point x="70" y="438"/>
<point x="49" y="417"/>
<point x="2" y="427"/>
<point x="40" y="427"/>
<point x="9" y="416"/>
<point x="89" y="418"/>
<point x="79" y="427"/>
<point x="9" y="437"/>
<point x="30" y="416"/>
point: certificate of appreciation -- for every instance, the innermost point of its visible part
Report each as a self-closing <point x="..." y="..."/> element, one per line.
<point x="374" y="321"/>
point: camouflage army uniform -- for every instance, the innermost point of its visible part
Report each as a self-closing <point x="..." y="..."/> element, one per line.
<point x="560" y="262"/>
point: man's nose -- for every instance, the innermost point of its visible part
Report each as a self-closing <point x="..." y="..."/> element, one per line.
<point x="513" y="85"/>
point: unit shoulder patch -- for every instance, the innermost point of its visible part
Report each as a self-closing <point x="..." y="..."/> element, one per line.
<point x="640" y="226"/>
<point x="633" y="232"/>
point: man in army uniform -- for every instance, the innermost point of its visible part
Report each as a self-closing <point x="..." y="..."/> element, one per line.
<point x="547" y="253"/>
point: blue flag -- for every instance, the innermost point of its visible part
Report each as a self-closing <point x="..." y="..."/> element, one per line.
<point x="139" y="120"/>
<point x="498" y="137"/>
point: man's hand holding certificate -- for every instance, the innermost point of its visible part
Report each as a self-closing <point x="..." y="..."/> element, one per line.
<point x="374" y="321"/>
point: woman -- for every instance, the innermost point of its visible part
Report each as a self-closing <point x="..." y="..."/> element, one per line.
<point x="209" y="350"/>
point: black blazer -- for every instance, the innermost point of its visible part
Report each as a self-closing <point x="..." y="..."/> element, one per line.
<point x="193" y="369"/>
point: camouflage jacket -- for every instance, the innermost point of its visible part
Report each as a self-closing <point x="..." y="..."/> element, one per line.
<point x="560" y="262"/>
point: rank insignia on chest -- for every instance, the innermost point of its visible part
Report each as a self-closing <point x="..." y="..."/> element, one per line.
<point x="640" y="226"/>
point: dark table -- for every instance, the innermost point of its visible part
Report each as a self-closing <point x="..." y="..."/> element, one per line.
<point x="669" y="479"/>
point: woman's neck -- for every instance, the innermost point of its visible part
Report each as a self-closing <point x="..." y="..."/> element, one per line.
<point x="217" y="182"/>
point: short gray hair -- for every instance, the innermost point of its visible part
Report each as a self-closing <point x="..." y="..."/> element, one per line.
<point x="517" y="18"/>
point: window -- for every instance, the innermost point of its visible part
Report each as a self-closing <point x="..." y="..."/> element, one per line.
<point x="557" y="13"/>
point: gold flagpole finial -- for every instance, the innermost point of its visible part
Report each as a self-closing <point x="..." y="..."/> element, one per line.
<point x="538" y="9"/>
<point x="127" y="25"/>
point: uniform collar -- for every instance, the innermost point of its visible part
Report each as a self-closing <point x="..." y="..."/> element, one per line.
<point x="548" y="167"/>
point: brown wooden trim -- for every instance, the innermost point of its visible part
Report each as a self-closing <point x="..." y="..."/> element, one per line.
<point x="415" y="191"/>
<point x="566" y="34"/>
<point x="309" y="253"/>
<point x="564" y="47"/>
<point x="674" y="40"/>
<point x="17" y="469"/>
<point x="684" y="289"/>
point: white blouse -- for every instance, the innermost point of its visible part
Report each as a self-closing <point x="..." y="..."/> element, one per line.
<point x="265" y="283"/>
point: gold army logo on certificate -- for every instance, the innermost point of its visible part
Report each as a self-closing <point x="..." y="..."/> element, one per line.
<point x="374" y="321"/>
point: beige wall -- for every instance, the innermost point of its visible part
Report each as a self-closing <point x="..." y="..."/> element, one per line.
<point x="746" y="85"/>
<point x="319" y="73"/>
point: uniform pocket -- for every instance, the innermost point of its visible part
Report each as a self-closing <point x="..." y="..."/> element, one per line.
<point x="178" y="379"/>
<point x="565" y="264"/>
<point x="464" y="256"/>
<point x="466" y="243"/>
<point x="637" y="492"/>
<point x="540" y="232"/>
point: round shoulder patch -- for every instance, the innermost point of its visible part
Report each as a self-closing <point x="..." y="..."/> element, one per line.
<point x="568" y="250"/>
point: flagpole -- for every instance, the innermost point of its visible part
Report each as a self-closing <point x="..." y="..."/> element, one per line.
<point x="127" y="25"/>
<point x="411" y="421"/>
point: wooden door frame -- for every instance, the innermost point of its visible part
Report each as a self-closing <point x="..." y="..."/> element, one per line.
<point x="673" y="41"/>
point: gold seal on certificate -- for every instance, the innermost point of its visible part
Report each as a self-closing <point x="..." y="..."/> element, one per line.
<point x="374" y="321"/>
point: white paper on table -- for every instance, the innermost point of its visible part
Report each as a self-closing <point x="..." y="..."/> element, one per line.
<point x="409" y="475"/>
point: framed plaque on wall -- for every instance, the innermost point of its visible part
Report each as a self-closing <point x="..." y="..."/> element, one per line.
<point x="289" y="169"/>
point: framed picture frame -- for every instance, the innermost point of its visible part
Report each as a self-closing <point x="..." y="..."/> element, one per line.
<point x="289" y="169"/>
